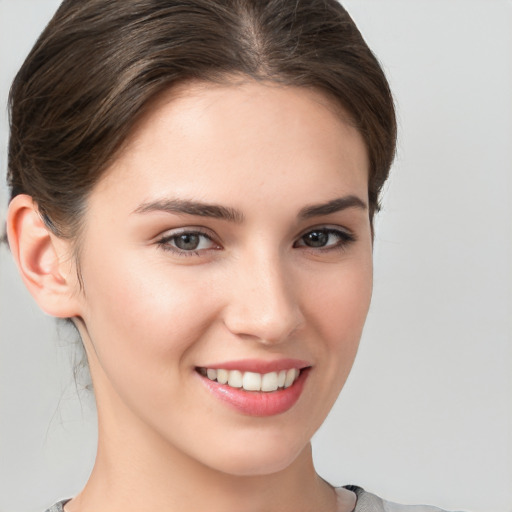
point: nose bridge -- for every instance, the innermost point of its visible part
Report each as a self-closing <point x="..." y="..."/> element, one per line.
<point x="263" y="301"/>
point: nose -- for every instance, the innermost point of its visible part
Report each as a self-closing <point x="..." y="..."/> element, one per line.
<point x="263" y="302"/>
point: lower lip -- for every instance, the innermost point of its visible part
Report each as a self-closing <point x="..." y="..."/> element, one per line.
<point x="258" y="403"/>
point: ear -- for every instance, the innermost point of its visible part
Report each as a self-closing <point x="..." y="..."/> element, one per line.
<point x="44" y="260"/>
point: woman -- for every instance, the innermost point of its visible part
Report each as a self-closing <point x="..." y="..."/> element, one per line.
<point x="194" y="187"/>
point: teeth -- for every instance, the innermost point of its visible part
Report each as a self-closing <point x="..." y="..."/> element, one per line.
<point x="281" y="378"/>
<point x="235" y="379"/>
<point x="290" y="377"/>
<point x="269" y="382"/>
<point x="251" y="381"/>
<point x="222" y="376"/>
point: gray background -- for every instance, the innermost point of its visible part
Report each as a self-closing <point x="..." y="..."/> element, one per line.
<point x="427" y="413"/>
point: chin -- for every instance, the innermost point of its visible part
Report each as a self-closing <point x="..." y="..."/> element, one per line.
<point x="259" y="459"/>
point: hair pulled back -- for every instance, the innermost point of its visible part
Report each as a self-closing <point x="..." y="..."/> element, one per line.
<point x="98" y="63"/>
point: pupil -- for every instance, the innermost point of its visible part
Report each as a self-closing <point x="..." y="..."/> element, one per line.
<point x="317" y="238"/>
<point x="187" y="241"/>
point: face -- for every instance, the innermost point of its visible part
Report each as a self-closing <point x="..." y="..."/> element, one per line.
<point x="230" y="240"/>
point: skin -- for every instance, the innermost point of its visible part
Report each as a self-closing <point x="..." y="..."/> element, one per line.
<point x="149" y="316"/>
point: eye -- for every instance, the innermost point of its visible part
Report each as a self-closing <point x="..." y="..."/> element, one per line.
<point x="325" y="238"/>
<point x="187" y="243"/>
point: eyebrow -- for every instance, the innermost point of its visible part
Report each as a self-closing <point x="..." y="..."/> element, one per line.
<point x="186" y="207"/>
<point x="198" y="208"/>
<point x="333" y="206"/>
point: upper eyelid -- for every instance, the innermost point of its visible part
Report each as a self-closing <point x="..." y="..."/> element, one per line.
<point x="345" y="235"/>
<point x="166" y="237"/>
<point x="170" y="233"/>
<point x="327" y="227"/>
<point x="175" y="232"/>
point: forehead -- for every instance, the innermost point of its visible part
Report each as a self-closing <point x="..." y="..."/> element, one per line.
<point x="204" y="139"/>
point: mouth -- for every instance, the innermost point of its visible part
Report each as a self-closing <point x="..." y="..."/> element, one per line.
<point x="252" y="381"/>
<point x="251" y="393"/>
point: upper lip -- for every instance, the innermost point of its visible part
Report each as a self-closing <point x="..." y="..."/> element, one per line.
<point x="259" y="365"/>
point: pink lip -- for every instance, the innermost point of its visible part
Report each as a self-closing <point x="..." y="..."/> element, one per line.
<point x="257" y="403"/>
<point x="260" y="366"/>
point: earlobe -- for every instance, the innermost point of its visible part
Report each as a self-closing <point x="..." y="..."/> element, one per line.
<point x="42" y="259"/>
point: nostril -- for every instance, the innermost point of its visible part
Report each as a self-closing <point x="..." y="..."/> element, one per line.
<point x="269" y="326"/>
<point x="263" y="303"/>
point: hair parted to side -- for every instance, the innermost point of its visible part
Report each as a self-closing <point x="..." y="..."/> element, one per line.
<point x="98" y="64"/>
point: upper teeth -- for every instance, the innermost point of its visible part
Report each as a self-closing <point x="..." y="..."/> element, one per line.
<point x="251" y="381"/>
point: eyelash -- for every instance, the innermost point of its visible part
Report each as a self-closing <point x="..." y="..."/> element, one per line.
<point x="165" y="243"/>
<point x="345" y="238"/>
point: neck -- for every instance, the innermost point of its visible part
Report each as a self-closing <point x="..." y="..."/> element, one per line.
<point x="137" y="470"/>
<point x="133" y="478"/>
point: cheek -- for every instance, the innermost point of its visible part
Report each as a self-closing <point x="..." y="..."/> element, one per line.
<point x="338" y="311"/>
<point x="139" y="317"/>
<point x="340" y="301"/>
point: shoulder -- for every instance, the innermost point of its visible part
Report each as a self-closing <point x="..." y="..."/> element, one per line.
<point x="58" y="507"/>
<point x="368" y="502"/>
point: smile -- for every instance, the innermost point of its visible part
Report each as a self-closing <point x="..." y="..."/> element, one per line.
<point x="252" y="393"/>
<point x="252" y="381"/>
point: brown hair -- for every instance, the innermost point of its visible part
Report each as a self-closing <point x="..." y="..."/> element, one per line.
<point x="98" y="63"/>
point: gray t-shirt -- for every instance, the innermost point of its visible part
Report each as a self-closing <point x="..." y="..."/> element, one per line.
<point x="366" y="502"/>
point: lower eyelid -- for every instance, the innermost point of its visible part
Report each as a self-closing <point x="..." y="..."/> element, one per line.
<point x="344" y="237"/>
<point x="165" y="242"/>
